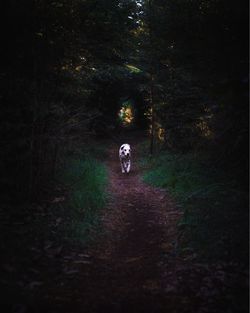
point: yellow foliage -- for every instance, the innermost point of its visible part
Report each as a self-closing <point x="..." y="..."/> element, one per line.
<point x="161" y="133"/>
<point x="205" y="130"/>
<point x="126" y="115"/>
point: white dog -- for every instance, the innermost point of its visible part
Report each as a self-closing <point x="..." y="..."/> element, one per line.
<point x="125" y="157"/>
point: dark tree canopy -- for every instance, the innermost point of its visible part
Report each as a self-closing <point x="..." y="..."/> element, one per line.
<point x="67" y="64"/>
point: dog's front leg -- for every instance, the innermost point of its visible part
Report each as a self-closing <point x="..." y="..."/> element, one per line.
<point x="128" y="166"/>
<point x="122" y="166"/>
<point x="125" y="166"/>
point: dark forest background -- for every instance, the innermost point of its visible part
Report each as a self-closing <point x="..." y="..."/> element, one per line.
<point x="67" y="69"/>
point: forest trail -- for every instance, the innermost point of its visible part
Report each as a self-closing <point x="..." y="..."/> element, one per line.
<point x="140" y="227"/>
<point x="134" y="265"/>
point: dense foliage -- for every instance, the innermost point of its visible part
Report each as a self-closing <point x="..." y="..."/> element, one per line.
<point x="199" y="53"/>
<point x="62" y="63"/>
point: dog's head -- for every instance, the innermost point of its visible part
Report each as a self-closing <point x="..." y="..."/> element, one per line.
<point x="126" y="150"/>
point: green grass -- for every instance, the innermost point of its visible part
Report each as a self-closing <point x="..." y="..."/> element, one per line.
<point x="87" y="180"/>
<point x="179" y="174"/>
<point x="215" y="220"/>
<point x="83" y="178"/>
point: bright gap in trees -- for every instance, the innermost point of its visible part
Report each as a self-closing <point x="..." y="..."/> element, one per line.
<point x="126" y="113"/>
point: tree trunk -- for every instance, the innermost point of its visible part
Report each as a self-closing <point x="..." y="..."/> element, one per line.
<point x="151" y="92"/>
<point x="152" y="116"/>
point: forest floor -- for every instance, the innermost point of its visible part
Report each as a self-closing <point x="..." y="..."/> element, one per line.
<point x="134" y="266"/>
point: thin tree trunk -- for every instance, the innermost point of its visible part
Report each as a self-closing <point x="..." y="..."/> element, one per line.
<point x="55" y="159"/>
<point x="31" y="170"/>
<point x="151" y="80"/>
<point x="33" y="133"/>
<point x="152" y="116"/>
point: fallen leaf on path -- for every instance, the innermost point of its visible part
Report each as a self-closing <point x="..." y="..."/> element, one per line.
<point x="82" y="262"/>
<point x="70" y="272"/>
<point x="170" y="288"/>
<point x="83" y="255"/>
<point x="103" y="257"/>
<point x="220" y="275"/>
<point x="34" y="284"/>
<point x="167" y="246"/>
<point x="151" y="285"/>
<point x="191" y="257"/>
<point x="54" y="252"/>
<point x="34" y="249"/>
<point x="33" y="270"/>
<point x="58" y="221"/>
<point x="129" y="260"/>
<point x="58" y="199"/>
<point x="48" y="245"/>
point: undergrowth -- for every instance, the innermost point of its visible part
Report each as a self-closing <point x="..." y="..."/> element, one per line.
<point x="83" y="177"/>
<point x="215" y="205"/>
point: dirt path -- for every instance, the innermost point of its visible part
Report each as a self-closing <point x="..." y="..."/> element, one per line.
<point x="125" y="271"/>
<point x="140" y="228"/>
